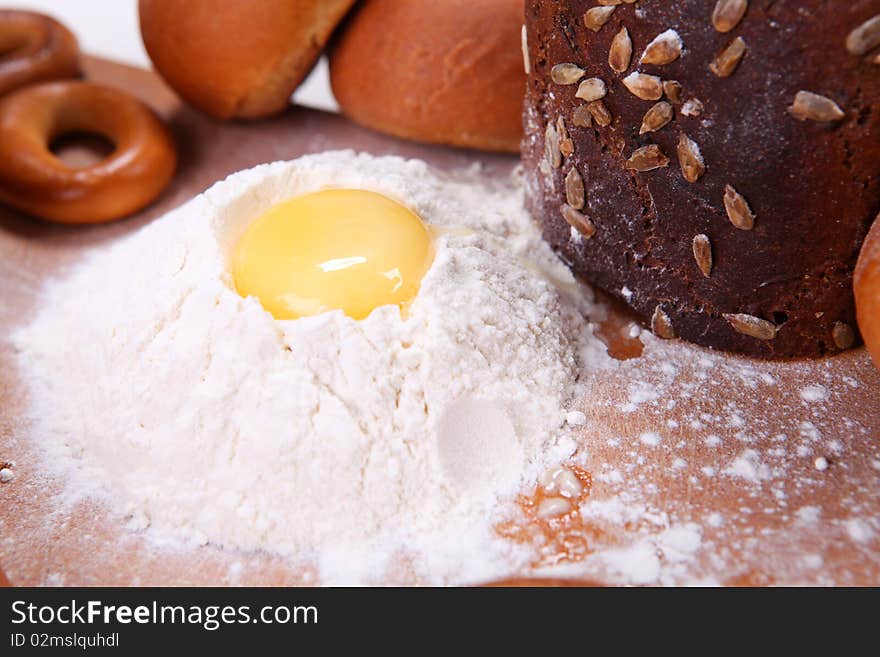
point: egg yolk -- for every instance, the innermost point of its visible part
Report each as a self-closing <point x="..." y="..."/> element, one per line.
<point x="346" y="249"/>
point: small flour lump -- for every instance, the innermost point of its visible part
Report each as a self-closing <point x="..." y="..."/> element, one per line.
<point x="342" y="443"/>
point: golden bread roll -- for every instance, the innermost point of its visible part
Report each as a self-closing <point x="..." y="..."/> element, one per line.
<point x="867" y="290"/>
<point x="447" y="72"/>
<point x="237" y="59"/>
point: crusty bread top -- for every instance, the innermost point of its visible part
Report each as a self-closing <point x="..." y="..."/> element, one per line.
<point x="237" y="58"/>
<point x="446" y="72"/>
<point x="723" y="174"/>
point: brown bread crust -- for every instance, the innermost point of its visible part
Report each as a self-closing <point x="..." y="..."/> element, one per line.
<point x="812" y="186"/>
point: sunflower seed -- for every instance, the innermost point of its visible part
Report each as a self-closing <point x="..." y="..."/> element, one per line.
<point x="690" y="159"/>
<point x="727" y="60"/>
<point x="646" y="87"/>
<point x="566" y="146"/>
<point x="672" y="89"/>
<point x="738" y="210"/>
<point x="692" y="107"/>
<point x="591" y="89"/>
<point x="647" y="158"/>
<point x="621" y="51"/>
<point x="596" y="17"/>
<point x="600" y="113"/>
<point x="578" y="220"/>
<point x="551" y="146"/>
<point x="664" y="49"/>
<point x="702" y="248"/>
<point x="560" y="127"/>
<point x="752" y="326"/>
<point x="656" y="118"/>
<point x="566" y="73"/>
<point x="844" y="336"/>
<point x="865" y="37"/>
<point x="813" y="107"/>
<point x="728" y="14"/>
<point x="661" y="325"/>
<point x="525" y="51"/>
<point x="581" y="117"/>
<point x="574" y="189"/>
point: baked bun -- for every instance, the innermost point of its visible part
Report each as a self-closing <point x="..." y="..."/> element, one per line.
<point x="448" y="72"/>
<point x="867" y="290"/>
<point x="713" y="164"/>
<point x="237" y="59"/>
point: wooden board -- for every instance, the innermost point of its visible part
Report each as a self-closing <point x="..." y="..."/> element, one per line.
<point x="702" y="466"/>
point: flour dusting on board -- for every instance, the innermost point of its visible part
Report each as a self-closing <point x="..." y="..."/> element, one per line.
<point x="690" y="486"/>
<point x="488" y="434"/>
<point x="326" y="439"/>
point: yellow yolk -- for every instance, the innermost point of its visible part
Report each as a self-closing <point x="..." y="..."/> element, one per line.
<point x="346" y="249"/>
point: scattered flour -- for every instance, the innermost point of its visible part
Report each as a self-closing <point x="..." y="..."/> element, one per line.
<point x="733" y="431"/>
<point x="343" y="443"/>
<point x="576" y="418"/>
<point x="859" y="530"/>
<point x="659" y="557"/>
<point x="651" y="438"/>
<point x="213" y="422"/>
<point x="634" y="564"/>
<point x="749" y="466"/>
<point x="681" y="542"/>
<point x="812" y="561"/>
<point x="814" y="393"/>
<point x="808" y="515"/>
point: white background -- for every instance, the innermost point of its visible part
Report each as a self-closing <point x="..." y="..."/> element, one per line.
<point x="109" y="28"/>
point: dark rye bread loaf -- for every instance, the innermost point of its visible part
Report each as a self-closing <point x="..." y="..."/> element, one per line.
<point x="724" y="204"/>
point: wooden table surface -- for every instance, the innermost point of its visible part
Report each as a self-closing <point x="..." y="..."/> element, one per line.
<point x="702" y="465"/>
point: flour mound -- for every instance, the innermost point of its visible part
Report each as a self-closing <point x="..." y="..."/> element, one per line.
<point x="345" y="444"/>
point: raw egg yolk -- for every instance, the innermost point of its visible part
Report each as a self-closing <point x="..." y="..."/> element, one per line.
<point x="346" y="249"/>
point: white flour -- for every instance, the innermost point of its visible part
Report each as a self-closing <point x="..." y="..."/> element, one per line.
<point x="342" y="443"/>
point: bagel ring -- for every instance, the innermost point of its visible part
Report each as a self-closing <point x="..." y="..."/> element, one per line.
<point x="34" y="180"/>
<point x="34" y="48"/>
<point x="866" y="285"/>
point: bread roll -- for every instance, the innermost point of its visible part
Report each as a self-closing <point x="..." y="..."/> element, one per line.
<point x="867" y="290"/>
<point x="237" y="59"/>
<point x="713" y="164"/>
<point x="447" y="72"/>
